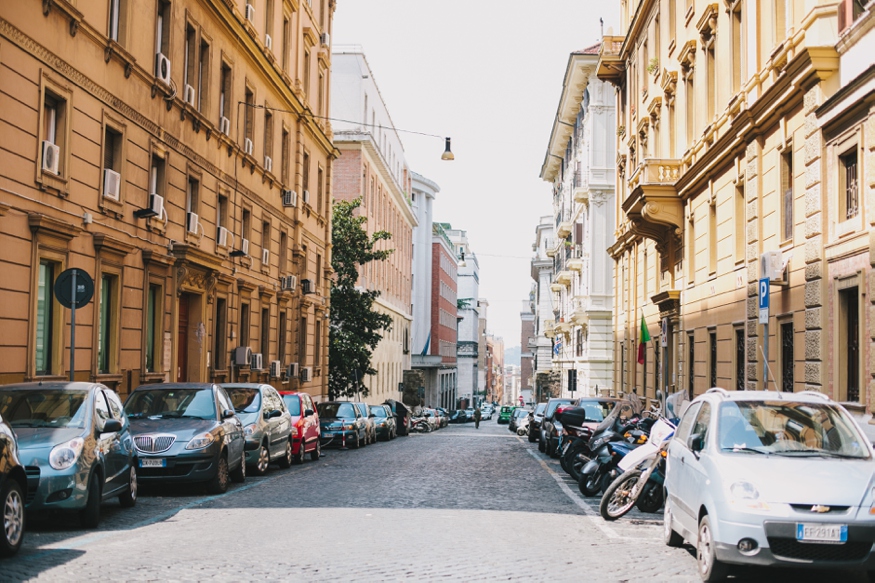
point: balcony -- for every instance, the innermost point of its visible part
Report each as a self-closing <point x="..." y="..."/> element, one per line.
<point x="564" y="277"/>
<point x="653" y="206"/>
<point x="556" y="287"/>
<point x="581" y="194"/>
<point x="563" y="229"/>
<point x="611" y="67"/>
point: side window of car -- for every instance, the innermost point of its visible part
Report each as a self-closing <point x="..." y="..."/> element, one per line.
<point x="224" y="401"/>
<point x="280" y="404"/>
<point x="683" y="432"/>
<point x="703" y="420"/>
<point x="115" y="406"/>
<point x="101" y="410"/>
<point x="276" y="404"/>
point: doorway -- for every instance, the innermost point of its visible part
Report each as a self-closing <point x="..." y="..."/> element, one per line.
<point x="182" y="340"/>
<point x="849" y="345"/>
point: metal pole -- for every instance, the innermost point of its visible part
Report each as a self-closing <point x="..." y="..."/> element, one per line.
<point x="73" y="328"/>
<point x="766" y="356"/>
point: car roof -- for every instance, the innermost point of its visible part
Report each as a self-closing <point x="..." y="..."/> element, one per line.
<point x="720" y="394"/>
<point x="169" y="386"/>
<point x="244" y="385"/>
<point x="53" y="385"/>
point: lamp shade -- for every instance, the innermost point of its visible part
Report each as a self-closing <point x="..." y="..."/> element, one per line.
<point x="448" y="154"/>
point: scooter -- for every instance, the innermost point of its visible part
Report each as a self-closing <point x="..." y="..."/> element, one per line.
<point x="608" y="449"/>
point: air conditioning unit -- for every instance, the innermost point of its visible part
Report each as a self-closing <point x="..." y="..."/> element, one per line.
<point x="325" y="39"/>
<point x="292" y="370"/>
<point x="250" y="13"/>
<point x="268" y="164"/>
<point x="242" y="355"/>
<point x="51" y="157"/>
<point x="256" y="361"/>
<point x="162" y="69"/>
<point x="156" y="204"/>
<point x="307" y="196"/>
<point x="112" y="181"/>
<point x="290" y="198"/>
<point x="306" y="374"/>
<point x="275" y="368"/>
<point x="306" y="286"/>
<point x="247" y="146"/>
<point x="225" y="126"/>
<point x="288" y="282"/>
<point x="191" y="222"/>
<point x="245" y="247"/>
<point x="265" y="258"/>
<point x="189" y="95"/>
<point x="268" y="42"/>
<point x="223" y="236"/>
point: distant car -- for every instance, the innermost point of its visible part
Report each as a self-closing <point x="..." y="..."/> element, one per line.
<point x="187" y="432"/>
<point x="384" y="422"/>
<point x="76" y="440"/>
<point x="591" y="411"/>
<point x="486" y="412"/>
<point x="365" y="410"/>
<point x="515" y="418"/>
<point x="305" y="425"/>
<point x="267" y="425"/>
<point x="443" y="416"/>
<point x="535" y="418"/>
<point x="505" y="413"/>
<point x="549" y="434"/>
<point x="342" y="424"/>
<point x="13" y="492"/>
<point x="402" y="416"/>
<point x="458" y="416"/>
<point x="470" y="413"/>
<point x="432" y="418"/>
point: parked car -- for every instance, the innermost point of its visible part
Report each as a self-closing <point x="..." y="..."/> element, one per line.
<point x="187" y="432"/>
<point x="486" y="412"/>
<point x="518" y="414"/>
<point x="402" y="416"/>
<point x="342" y="424"/>
<point x="443" y="416"/>
<point x="505" y="413"/>
<point x="384" y="421"/>
<point x="267" y="425"/>
<point x="548" y="436"/>
<point x="305" y="425"/>
<point x="13" y="492"/>
<point x="767" y="478"/>
<point x="470" y="413"/>
<point x="365" y="410"/>
<point x="458" y="416"/>
<point x="431" y="418"/>
<point x="535" y="418"/>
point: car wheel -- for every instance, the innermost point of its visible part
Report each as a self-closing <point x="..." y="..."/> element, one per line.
<point x="710" y="569"/>
<point x="89" y="517"/>
<point x="219" y="483"/>
<point x="129" y="498"/>
<point x="669" y="536"/>
<point x="239" y="475"/>
<point x="287" y="459"/>
<point x="12" y="508"/>
<point x="542" y="447"/>
<point x="317" y="451"/>
<point x="299" y="459"/>
<point x="260" y="467"/>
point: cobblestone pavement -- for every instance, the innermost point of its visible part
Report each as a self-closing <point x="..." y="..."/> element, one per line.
<point x="456" y="504"/>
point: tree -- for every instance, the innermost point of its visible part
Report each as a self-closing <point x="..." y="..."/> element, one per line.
<point x="356" y="327"/>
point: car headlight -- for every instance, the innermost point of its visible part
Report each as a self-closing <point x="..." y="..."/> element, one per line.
<point x="65" y="455"/>
<point x="746" y="496"/>
<point x="350" y="426"/>
<point x="200" y="441"/>
<point x="247" y="431"/>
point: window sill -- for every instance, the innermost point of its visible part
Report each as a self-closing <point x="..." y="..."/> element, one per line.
<point x="53" y="182"/>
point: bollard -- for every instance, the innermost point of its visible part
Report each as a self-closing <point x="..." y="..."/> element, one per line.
<point x="343" y="440"/>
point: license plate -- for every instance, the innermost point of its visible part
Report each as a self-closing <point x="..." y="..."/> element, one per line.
<point x="831" y="533"/>
<point x="153" y="463"/>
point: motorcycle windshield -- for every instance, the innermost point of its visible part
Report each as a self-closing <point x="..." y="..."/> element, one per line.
<point x="673" y="405"/>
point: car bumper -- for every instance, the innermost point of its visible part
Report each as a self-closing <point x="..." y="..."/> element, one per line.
<point x="337" y="437"/>
<point x="50" y="489"/>
<point x="196" y="467"/>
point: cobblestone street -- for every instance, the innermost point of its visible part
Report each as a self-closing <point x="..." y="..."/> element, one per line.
<point x="457" y="504"/>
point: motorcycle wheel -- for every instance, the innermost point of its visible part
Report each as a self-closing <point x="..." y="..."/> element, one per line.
<point x="563" y="463"/>
<point x="590" y="484"/>
<point x="650" y="500"/>
<point x="618" y="500"/>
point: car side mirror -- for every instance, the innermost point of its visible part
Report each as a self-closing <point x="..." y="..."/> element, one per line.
<point x="112" y="426"/>
<point x="308" y="412"/>
<point x="227" y="413"/>
<point x="696" y="442"/>
<point x="371" y="416"/>
<point x="274" y="414"/>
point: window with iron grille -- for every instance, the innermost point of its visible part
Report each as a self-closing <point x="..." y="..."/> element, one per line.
<point x="712" y="340"/>
<point x="787" y="357"/>
<point x="848" y="186"/>
<point x="739" y="359"/>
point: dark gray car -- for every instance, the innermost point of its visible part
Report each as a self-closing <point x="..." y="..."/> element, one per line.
<point x="267" y="425"/>
<point x="187" y="432"/>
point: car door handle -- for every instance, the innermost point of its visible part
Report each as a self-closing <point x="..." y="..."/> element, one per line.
<point x="683" y="460"/>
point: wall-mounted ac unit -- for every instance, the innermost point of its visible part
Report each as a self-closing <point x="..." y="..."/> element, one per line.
<point x="155" y="208"/>
<point x="51" y="157"/>
<point x="224" y="237"/>
<point x="292" y="370"/>
<point x="225" y="126"/>
<point x="189" y="95"/>
<point x="307" y="196"/>
<point x="242" y="356"/>
<point x="247" y="146"/>
<point x="112" y="182"/>
<point x="250" y="13"/>
<point x="306" y="374"/>
<point x="245" y="247"/>
<point x="268" y="164"/>
<point x="162" y="69"/>
<point x="275" y="369"/>
<point x="265" y="258"/>
<point x="191" y="222"/>
<point x="324" y="39"/>
<point x="290" y="198"/>
<point x="306" y="286"/>
<point x="288" y="282"/>
<point x="268" y="42"/>
<point x="256" y="362"/>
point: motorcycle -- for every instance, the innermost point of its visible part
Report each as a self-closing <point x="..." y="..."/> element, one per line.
<point x="608" y="449"/>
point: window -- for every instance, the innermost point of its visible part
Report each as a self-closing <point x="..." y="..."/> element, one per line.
<point x="268" y="18"/>
<point x="317" y="344"/>
<point x="244" y="324"/>
<point x="305" y="77"/>
<point x="284" y="58"/>
<point x="192" y="196"/>
<point x="106" y="326"/>
<point x="101" y="410"/>
<point x="225" y="93"/>
<point x="112" y="157"/>
<point x="740" y="221"/>
<point x="268" y="135"/>
<point x="737" y="49"/>
<point x="739" y="359"/>
<point x="672" y="21"/>
<point x="156" y="176"/>
<point x="305" y="179"/>
<point x="54" y="124"/>
<point x="690" y="92"/>
<point x="222" y="214"/>
<point x="284" y="147"/>
<point x="787" y="195"/>
<point x="320" y="102"/>
<point x="220" y="348"/>
<point x="265" y="332"/>
<point x="190" y="57"/>
<point x="712" y="345"/>
<point x="703" y="420"/>
<point x="848" y="185"/>
<point x="203" y="75"/>
<point x="711" y="71"/>
<point x="780" y="20"/>
<point x="849" y="340"/>
<point x="249" y="115"/>
<point x="318" y="279"/>
<point x="691" y="247"/>
<point x="45" y="319"/>
<point x="787" y="363"/>
<point x="691" y="374"/>
<point x="246" y="225"/>
<point x="302" y="342"/>
<point x="154" y="317"/>
<point x="281" y="336"/>
<point x="283" y="254"/>
<point x="712" y="238"/>
<point x="162" y="32"/>
<point x="320" y="180"/>
<point x="118" y="20"/>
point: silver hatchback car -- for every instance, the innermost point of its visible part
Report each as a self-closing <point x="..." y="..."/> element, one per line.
<point x="767" y="478"/>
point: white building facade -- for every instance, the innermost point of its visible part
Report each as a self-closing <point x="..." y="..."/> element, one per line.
<point x="468" y="315"/>
<point x="542" y="301"/>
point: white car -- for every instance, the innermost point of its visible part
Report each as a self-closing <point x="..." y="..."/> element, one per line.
<point x="772" y="479"/>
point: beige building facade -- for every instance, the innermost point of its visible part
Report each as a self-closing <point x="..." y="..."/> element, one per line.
<point x="726" y="153"/>
<point x="173" y="150"/>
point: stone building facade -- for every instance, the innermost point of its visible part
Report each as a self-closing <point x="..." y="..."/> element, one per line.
<point x="165" y="148"/>
<point x="542" y="302"/>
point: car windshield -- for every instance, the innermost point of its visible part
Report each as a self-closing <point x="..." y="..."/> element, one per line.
<point x="171" y="403"/>
<point x="788" y="428"/>
<point x="379" y="412"/>
<point x="596" y="411"/>
<point x="46" y="408"/>
<point x="244" y="400"/>
<point x="520" y="413"/>
<point x="293" y="403"/>
<point x="342" y="410"/>
<point x="539" y="410"/>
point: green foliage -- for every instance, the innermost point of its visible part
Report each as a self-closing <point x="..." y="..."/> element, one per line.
<point x="463" y="303"/>
<point x="356" y="328"/>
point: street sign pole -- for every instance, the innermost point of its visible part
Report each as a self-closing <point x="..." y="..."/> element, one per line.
<point x="73" y="326"/>
<point x="764" y="320"/>
<point x="74" y="288"/>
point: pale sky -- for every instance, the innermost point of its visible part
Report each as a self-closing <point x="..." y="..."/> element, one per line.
<point x="487" y="73"/>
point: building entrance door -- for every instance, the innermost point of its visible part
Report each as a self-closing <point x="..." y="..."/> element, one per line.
<point x="182" y="340"/>
<point x="850" y="334"/>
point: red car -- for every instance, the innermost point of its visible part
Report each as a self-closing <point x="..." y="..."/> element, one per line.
<point x="305" y="425"/>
